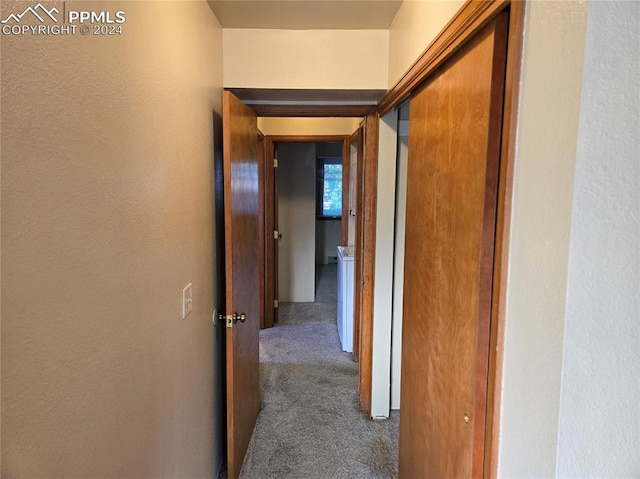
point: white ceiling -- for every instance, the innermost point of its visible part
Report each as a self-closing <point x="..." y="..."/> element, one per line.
<point x="306" y="14"/>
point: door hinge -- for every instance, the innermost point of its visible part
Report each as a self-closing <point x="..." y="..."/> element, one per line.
<point x="275" y="303"/>
<point x="275" y="162"/>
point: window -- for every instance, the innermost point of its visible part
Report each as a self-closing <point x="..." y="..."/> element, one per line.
<point x="329" y="188"/>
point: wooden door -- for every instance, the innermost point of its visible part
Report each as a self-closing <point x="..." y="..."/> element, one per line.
<point x="241" y="209"/>
<point x="276" y="238"/>
<point x="262" y="244"/>
<point x="454" y="143"/>
<point x="271" y="225"/>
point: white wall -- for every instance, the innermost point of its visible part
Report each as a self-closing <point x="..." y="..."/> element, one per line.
<point x="540" y="226"/>
<point x="415" y="26"/>
<point x="398" y="267"/>
<point x="296" y="222"/>
<point x="383" y="285"/>
<point x="328" y="238"/>
<point x="314" y="59"/>
<point x="599" y="419"/>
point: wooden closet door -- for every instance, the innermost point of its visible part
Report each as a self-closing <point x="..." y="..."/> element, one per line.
<point x="454" y="142"/>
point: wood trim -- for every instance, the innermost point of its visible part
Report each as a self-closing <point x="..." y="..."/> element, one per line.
<point x="368" y="252"/>
<point x="276" y="242"/>
<point x="473" y="15"/>
<point x="358" y="137"/>
<point x="503" y="227"/>
<point x="262" y="250"/>
<point x="307" y="138"/>
<point x="313" y="110"/>
<point x="270" y="203"/>
<point x="344" y="222"/>
<point x="487" y="259"/>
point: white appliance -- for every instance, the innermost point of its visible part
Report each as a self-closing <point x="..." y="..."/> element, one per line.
<point x="345" y="297"/>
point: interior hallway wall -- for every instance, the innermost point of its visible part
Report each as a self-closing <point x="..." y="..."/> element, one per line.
<point x="384" y="260"/>
<point x="544" y="169"/>
<point x="415" y="26"/>
<point x="313" y="59"/>
<point x="399" y="258"/>
<point x="107" y="167"/>
<point x="328" y="237"/>
<point x="296" y="222"/>
<point x="599" y="420"/>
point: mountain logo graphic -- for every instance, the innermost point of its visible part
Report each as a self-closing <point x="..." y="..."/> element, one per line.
<point x="39" y="11"/>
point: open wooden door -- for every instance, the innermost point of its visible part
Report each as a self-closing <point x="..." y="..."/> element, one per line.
<point x="270" y="235"/>
<point x="454" y="153"/>
<point x="241" y="210"/>
<point x="277" y="235"/>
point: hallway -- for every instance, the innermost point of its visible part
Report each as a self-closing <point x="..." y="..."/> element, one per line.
<point x="310" y="424"/>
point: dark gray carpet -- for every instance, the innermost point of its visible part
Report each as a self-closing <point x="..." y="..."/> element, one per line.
<point x="310" y="426"/>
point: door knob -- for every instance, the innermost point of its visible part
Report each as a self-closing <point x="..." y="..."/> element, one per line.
<point x="233" y="318"/>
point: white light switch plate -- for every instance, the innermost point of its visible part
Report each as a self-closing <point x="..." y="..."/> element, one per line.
<point x="187" y="300"/>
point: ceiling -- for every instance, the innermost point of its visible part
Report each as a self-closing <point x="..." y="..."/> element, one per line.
<point x="306" y="14"/>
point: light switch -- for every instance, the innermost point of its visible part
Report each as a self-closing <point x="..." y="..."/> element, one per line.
<point x="187" y="300"/>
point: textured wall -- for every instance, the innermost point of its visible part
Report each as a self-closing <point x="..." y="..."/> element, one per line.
<point x="314" y="59"/>
<point x="107" y="165"/>
<point x="415" y="26"/>
<point x="599" y="419"/>
<point x="297" y="222"/>
<point x="540" y="227"/>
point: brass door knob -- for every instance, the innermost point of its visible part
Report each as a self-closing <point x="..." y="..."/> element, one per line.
<point x="239" y="317"/>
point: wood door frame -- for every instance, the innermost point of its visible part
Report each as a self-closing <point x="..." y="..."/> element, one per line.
<point x="261" y="150"/>
<point x="470" y="19"/>
<point x="270" y="206"/>
<point x="357" y="138"/>
<point x="365" y="254"/>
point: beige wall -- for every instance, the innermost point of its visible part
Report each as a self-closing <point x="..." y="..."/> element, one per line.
<point x="297" y="222"/>
<point x="313" y="59"/>
<point x="599" y="419"/>
<point x="540" y="231"/>
<point x="308" y="126"/>
<point x="106" y="214"/>
<point x="415" y="26"/>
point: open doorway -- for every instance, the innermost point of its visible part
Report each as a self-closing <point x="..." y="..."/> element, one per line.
<point x="309" y="203"/>
<point x="309" y="378"/>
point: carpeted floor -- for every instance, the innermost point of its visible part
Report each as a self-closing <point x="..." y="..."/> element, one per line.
<point x="310" y="426"/>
